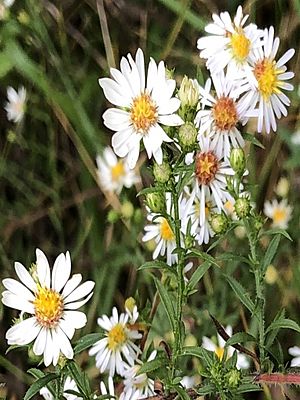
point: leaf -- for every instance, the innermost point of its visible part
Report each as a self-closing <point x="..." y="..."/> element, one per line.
<point x="87" y="341"/>
<point x="204" y="256"/>
<point x="37" y="373"/>
<point x="270" y="253"/>
<point x="152" y="365"/>
<point x="241" y="293"/>
<point x="198" y="352"/>
<point x="248" y="387"/>
<point x="38" y="385"/>
<point x="78" y="376"/>
<point x="252" y="139"/>
<point x="167" y="302"/>
<point x="148" y="190"/>
<point x="272" y="335"/>
<point x="283" y="323"/>
<point x="182" y="393"/>
<point x="156" y="264"/>
<point x="235" y="257"/>
<point x="276" y="231"/>
<point x="197" y="275"/>
<point x="205" y="390"/>
<point x="5" y="65"/>
<point x="240" y="337"/>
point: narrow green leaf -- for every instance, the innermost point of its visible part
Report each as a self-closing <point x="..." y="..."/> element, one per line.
<point x="167" y="302"/>
<point x="5" y="65"/>
<point x="182" y="393"/>
<point x="204" y="256"/>
<point x="152" y="365"/>
<point x="241" y="293"/>
<point x="271" y="251"/>
<point x="38" y="385"/>
<point x="240" y="337"/>
<point x="205" y="390"/>
<point x="78" y="376"/>
<point x="276" y="231"/>
<point x="87" y="341"/>
<point x="252" y="139"/>
<point x="37" y="373"/>
<point x="272" y="334"/>
<point x="151" y="190"/>
<point x="284" y="323"/>
<point x="198" y="352"/>
<point x="156" y="264"/>
<point x="197" y="275"/>
<point x="248" y="387"/>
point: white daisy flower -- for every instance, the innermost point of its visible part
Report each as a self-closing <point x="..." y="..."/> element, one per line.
<point x="210" y="179"/>
<point x="144" y="104"/>
<point x="219" y="121"/>
<point x="139" y="383"/>
<point x="129" y="394"/>
<point x="51" y="300"/>
<point x="279" y="212"/>
<point x="295" y="352"/>
<point x="230" y="43"/>
<point x="68" y="385"/>
<point x="219" y="349"/>
<point x="270" y="80"/>
<point x="161" y="231"/>
<point x="15" y="106"/>
<point x="117" y="345"/>
<point x="114" y="173"/>
<point x="188" y="382"/>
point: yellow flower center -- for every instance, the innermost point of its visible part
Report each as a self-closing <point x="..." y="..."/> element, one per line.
<point x="117" y="171"/>
<point x="266" y="74"/>
<point x="206" y="167"/>
<point x="143" y="113"/>
<point x="116" y="337"/>
<point x="165" y="230"/>
<point x="48" y="307"/>
<point x="219" y="352"/>
<point x="240" y="45"/>
<point x="229" y="207"/>
<point x="225" y="114"/>
<point x="279" y="215"/>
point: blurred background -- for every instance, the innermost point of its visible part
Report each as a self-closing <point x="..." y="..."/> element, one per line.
<point x="50" y="195"/>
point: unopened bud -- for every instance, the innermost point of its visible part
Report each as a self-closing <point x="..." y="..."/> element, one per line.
<point x="233" y="378"/>
<point x="113" y="216"/>
<point x="282" y="188"/>
<point x="162" y="172"/>
<point x="130" y="303"/>
<point x="242" y="207"/>
<point x="259" y="222"/>
<point x="127" y="209"/>
<point x="237" y="160"/>
<point x="156" y="202"/>
<point x="188" y="92"/>
<point x="187" y="136"/>
<point x="219" y="223"/>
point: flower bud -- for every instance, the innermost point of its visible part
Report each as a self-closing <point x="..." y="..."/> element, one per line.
<point x="113" y="216"/>
<point x="271" y="275"/>
<point x="162" y="172"/>
<point x="130" y="303"/>
<point x="237" y="160"/>
<point x="242" y="207"/>
<point x="156" y="202"/>
<point x="219" y="223"/>
<point x="127" y="209"/>
<point x="188" y="92"/>
<point x="187" y="136"/>
<point x="233" y="378"/>
<point x="282" y="188"/>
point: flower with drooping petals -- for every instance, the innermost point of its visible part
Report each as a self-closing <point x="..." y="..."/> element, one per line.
<point x="51" y="300"/>
<point x="279" y="212"/>
<point x="116" y="345"/>
<point x="143" y="105"/>
<point x="230" y="43"/>
<point x="114" y="173"/>
<point x="129" y="394"/>
<point x="15" y="106"/>
<point x="68" y="385"/>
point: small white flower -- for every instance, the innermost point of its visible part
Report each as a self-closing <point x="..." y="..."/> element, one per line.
<point x="279" y="212"/>
<point x="117" y="344"/>
<point x="219" y="121"/>
<point x="144" y="104"/>
<point x="129" y="394"/>
<point x="230" y="43"/>
<point x="139" y="383"/>
<point x="161" y="231"/>
<point x="295" y="139"/>
<point x="114" y="173"/>
<point x="208" y="344"/>
<point x="68" y="385"/>
<point x="15" y="106"/>
<point x="51" y="300"/>
<point x="270" y="80"/>
<point x="188" y="382"/>
<point x="295" y="352"/>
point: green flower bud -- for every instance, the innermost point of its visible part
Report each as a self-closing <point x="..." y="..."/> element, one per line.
<point x="187" y="136"/>
<point x="259" y="222"/>
<point x="219" y="223"/>
<point x="242" y="207"/>
<point x="162" y="172"/>
<point x="237" y="160"/>
<point x="130" y="304"/>
<point x="233" y="378"/>
<point x="33" y="358"/>
<point x="188" y="92"/>
<point x="138" y="216"/>
<point x="113" y="216"/>
<point x="127" y="209"/>
<point x="156" y="202"/>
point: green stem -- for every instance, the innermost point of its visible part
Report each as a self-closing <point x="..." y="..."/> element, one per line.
<point x="6" y="364"/>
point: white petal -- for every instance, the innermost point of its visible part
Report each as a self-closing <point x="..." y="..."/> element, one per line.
<point x="61" y="271"/>
<point x="78" y="304"/>
<point x="170" y="120"/>
<point x="23" y="332"/>
<point x="43" y="269"/>
<point x="76" y="319"/>
<point x="18" y="289"/>
<point x="80" y="292"/>
<point x="25" y="276"/>
<point x="14" y="301"/>
<point x="71" y="285"/>
<point x="40" y="342"/>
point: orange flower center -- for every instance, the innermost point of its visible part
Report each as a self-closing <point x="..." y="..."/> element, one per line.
<point x="143" y="113"/>
<point x="48" y="307"/>
<point x="225" y="114"/>
<point x="166" y="231"/>
<point x="206" y="167"/>
<point x="117" y="171"/>
<point x="266" y="74"/>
